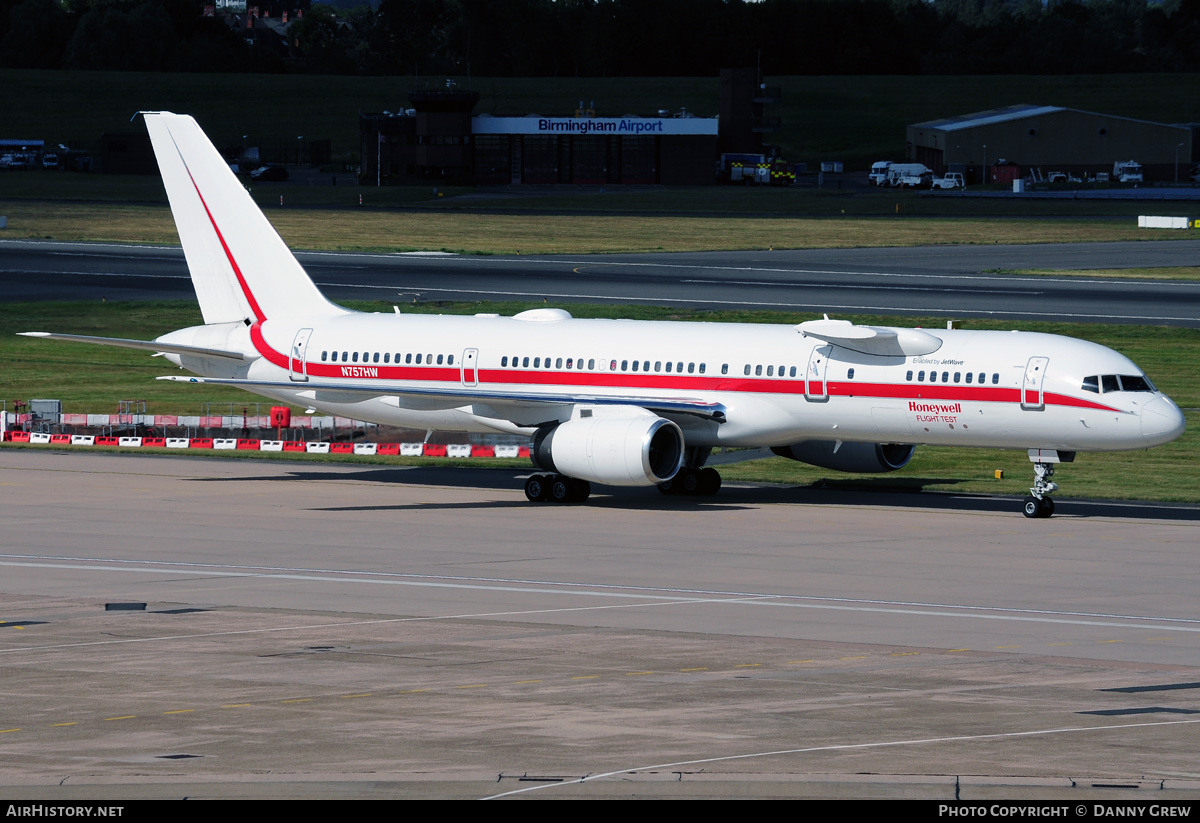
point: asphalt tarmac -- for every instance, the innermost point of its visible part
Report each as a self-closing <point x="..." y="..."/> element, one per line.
<point x="948" y="281"/>
<point x="338" y="631"/>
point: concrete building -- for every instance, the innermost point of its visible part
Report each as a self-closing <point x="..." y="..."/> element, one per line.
<point x="1050" y="138"/>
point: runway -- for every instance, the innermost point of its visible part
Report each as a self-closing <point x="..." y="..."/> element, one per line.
<point x="331" y="630"/>
<point x="949" y="281"/>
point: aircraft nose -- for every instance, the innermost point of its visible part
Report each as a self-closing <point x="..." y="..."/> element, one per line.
<point x="1162" y="421"/>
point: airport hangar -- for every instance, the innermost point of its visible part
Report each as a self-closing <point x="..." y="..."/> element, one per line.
<point x="1051" y="138"/>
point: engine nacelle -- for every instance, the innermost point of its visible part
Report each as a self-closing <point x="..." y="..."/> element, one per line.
<point x="850" y="457"/>
<point x="619" y="451"/>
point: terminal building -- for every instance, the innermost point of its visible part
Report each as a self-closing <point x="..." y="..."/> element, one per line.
<point x="1049" y="138"/>
<point x="439" y="139"/>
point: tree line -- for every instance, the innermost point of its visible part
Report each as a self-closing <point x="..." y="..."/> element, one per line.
<point x="618" y="38"/>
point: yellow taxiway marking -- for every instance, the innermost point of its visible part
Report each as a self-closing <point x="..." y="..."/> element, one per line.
<point x="412" y="691"/>
<point x="1007" y="647"/>
<point x="72" y="723"/>
<point x="747" y="665"/>
<point x="1110" y="641"/>
<point x="696" y="669"/>
<point x="1059" y="644"/>
<point x="635" y="674"/>
<point x="122" y="717"/>
<point x="904" y="654"/>
<point x="859" y="657"/>
<point x="585" y="677"/>
<point x="958" y="650"/>
<point x="6" y="731"/>
<point x="298" y="700"/>
<point x="524" y="682"/>
<point x="473" y="686"/>
<point x="180" y="711"/>
<point x="235" y="705"/>
<point x="353" y="696"/>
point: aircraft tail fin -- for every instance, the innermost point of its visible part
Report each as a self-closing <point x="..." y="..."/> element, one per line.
<point x="240" y="266"/>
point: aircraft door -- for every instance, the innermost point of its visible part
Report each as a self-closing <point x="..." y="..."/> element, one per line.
<point x="1031" y="387"/>
<point x="814" y="375"/>
<point x="298" y="359"/>
<point x="470" y="367"/>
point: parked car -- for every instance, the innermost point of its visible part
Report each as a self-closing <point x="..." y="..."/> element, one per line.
<point x="269" y="173"/>
<point x="953" y="180"/>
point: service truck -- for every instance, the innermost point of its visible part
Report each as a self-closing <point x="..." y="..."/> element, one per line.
<point x="1127" y="171"/>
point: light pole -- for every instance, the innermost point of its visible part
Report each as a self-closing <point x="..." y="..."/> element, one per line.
<point x="985" y="171"/>
<point x="299" y="149"/>
<point x="1177" y="148"/>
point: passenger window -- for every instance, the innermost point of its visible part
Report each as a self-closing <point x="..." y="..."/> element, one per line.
<point x="408" y="357"/>
<point x="747" y="369"/>
<point x="570" y="362"/>
<point x="724" y="368"/>
<point x="375" y="357"/>
<point x="504" y="361"/>
<point x="996" y="378"/>
<point x="679" y="367"/>
<point x="591" y="364"/>
<point x="850" y="374"/>
<point x="439" y="360"/>
<point x="557" y="363"/>
<point x="792" y="372"/>
<point x="969" y="376"/>
<point x="957" y="376"/>
<point x="387" y="357"/>
<point x="657" y="365"/>
<point x="770" y="371"/>
<point x="428" y="359"/>
<point x="537" y="362"/>
<point x="982" y="377"/>
<point x="758" y="371"/>
<point x="669" y="364"/>
<point x="945" y="377"/>
<point x="624" y="365"/>
<point x="702" y="369"/>
<point x="691" y="368"/>
<point x="933" y="377"/>
<point x="1109" y="383"/>
<point x="418" y="359"/>
<point x="635" y="365"/>
<point x="450" y="360"/>
<point x="612" y="366"/>
<point x="1092" y="383"/>
<point x="908" y="376"/>
<point x="525" y="363"/>
<point x="920" y="375"/>
<point x="356" y="357"/>
<point x="323" y="355"/>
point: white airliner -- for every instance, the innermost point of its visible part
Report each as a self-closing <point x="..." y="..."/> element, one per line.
<point x="621" y="402"/>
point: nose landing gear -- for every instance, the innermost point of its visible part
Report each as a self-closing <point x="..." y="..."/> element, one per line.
<point x="1038" y="503"/>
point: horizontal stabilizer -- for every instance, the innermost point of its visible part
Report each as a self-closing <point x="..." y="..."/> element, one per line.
<point x="450" y="398"/>
<point x="879" y="340"/>
<point x="144" y="345"/>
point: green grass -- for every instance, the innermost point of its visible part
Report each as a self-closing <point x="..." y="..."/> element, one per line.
<point x="388" y="231"/>
<point x="1149" y="273"/>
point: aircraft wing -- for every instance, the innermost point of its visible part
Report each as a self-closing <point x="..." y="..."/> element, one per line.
<point x="143" y="345"/>
<point x="440" y="398"/>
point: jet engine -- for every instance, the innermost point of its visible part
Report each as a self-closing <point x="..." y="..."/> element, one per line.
<point x="619" y="451"/>
<point x="849" y="457"/>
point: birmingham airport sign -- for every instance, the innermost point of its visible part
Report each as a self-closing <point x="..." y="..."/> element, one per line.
<point x="621" y="126"/>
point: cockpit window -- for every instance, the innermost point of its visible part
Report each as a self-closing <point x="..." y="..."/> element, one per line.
<point x="1109" y="382"/>
<point x="1092" y="384"/>
<point x="1135" y="382"/>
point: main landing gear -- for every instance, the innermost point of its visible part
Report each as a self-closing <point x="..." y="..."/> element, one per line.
<point x="556" y="488"/>
<point x="692" y="482"/>
<point x="1038" y="503"/>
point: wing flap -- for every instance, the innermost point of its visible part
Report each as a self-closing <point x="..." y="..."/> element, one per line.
<point x="430" y="398"/>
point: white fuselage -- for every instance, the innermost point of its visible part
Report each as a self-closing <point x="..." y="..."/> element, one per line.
<point x="776" y="385"/>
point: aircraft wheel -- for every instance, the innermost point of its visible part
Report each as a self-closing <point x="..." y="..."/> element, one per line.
<point x="710" y="481"/>
<point x="669" y="486"/>
<point x="536" y="488"/>
<point x="1047" y="507"/>
<point x="1032" y="507"/>
<point x="689" y="481"/>
<point x="581" y="490"/>
<point x="561" y="489"/>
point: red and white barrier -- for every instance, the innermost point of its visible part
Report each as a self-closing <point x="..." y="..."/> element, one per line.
<point x="365" y="448"/>
<point x="179" y="442"/>
<point x="316" y="448"/>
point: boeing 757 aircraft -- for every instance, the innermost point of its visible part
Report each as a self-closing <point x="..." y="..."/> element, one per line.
<point x="621" y="402"/>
